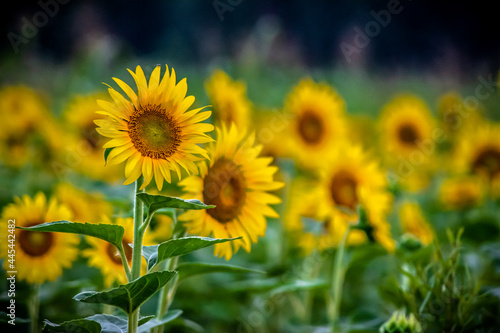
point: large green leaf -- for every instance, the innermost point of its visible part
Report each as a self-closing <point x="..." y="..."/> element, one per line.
<point x="154" y="254"/>
<point x="171" y="315"/>
<point x="77" y="325"/>
<point x="130" y="296"/>
<point x="189" y="269"/>
<point x="112" y="233"/>
<point x="155" y="202"/>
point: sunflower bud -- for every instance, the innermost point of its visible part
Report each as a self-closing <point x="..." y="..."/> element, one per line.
<point x="399" y="323"/>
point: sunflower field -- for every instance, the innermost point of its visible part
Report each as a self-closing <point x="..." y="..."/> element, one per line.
<point x="266" y="169"/>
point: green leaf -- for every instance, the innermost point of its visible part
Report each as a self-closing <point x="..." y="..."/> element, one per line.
<point x="106" y="153"/>
<point x="171" y="315"/>
<point x="112" y="233"/>
<point x="130" y="296"/>
<point x="154" y="254"/>
<point x="155" y="202"/>
<point x="145" y="319"/>
<point x="299" y="285"/>
<point x="189" y="269"/>
<point x="77" y="325"/>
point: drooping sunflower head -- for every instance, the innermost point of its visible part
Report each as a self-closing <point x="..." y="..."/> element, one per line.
<point x="236" y="180"/>
<point x="414" y="222"/>
<point x="106" y="257"/>
<point x="318" y="120"/>
<point x="405" y="124"/>
<point x="229" y="99"/>
<point x="478" y="152"/>
<point x="153" y="130"/>
<point x="350" y="177"/>
<point x="40" y="256"/>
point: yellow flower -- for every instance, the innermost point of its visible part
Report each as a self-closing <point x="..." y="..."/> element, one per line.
<point x="229" y="99"/>
<point x="154" y="131"/>
<point x="350" y="177"/>
<point x="39" y="256"/>
<point x="26" y="127"/>
<point x="405" y="124"/>
<point x="162" y="228"/>
<point x="407" y="141"/>
<point x="318" y="122"/>
<point x="106" y="257"/>
<point x="461" y="192"/>
<point x="84" y="143"/>
<point x="85" y="207"/>
<point x="414" y="222"/>
<point x="478" y="152"/>
<point x="455" y="117"/>
<point x="236" y="180"/>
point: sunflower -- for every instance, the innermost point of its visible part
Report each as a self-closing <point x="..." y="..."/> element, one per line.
<point x="414" y="222"/>
<point x="318" y="121"/>
<point x="40" y="256"/>
<point x="478" y="153"/>
<point x="106" y="257"/>
<point x="26" y="123"/>
<point x="229" y="99"/>
<point x="349" y="176"/>
<point x="236" y="181"/>
<point x="84" y="143"/>
<point x="456" y="117"/>
<point x="85" y="207"/>
<point x="162" y="228"/>
<point x="405" y="124"/>
<point x="461" y="192"/>
<point x="153" y="131"/>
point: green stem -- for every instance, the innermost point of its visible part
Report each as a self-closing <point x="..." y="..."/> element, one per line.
<point x="135" y="273"/>
<point x="34" y="308"/>
<point x="133" y="321"/>
<point x="168" y="291"/>
<point x="337" y="281"/>
<point x="125" y="263"/>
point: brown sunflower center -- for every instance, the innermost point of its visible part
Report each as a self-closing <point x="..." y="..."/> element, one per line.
<point x="408" y="134"/>
<point x="224" y="186"/>
<point x="310" y="127"/>
<point x="35" y="244"/>
<point x="153" y="132"/>
<point x="114" y="254"/>
<point x="91" y="136"/>
<point x="343" y="189"/>
<point x="488" y="160"/>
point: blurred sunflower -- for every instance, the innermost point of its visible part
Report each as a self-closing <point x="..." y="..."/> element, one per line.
<point x="40" y="256"/>
<point x="236" y="180"/>
<point x="153" y="131"/>
<point x="461" y="192"/>
<point x="478" y="152"/>
<point x="229" y="100"/>
<point x="349" y="176"/>
<point x="318" y="121"/>
<point x="85" y="207"/>
<point x="162" y="228"/>
<point x="106" y="257"/>
<point x="407" y="144"/>
<point x="414" y="222"/>
<point x="405" y="124"/>
<point x="455" y="116"/>
<point x="28" y="131"/>
<point x="83" y="140"/>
